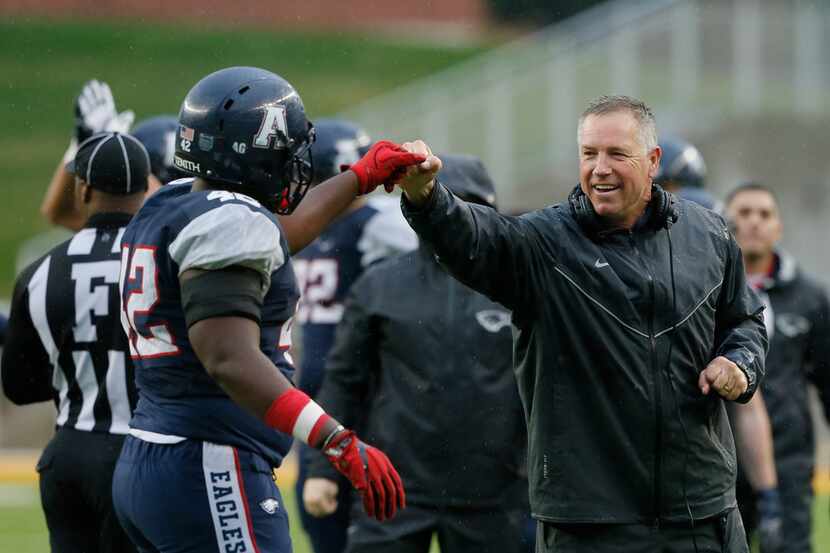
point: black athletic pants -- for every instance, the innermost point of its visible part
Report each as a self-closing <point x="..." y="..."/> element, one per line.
<point x="722" y="534"/>
<point x="459" y="530"/>
<point x="76" y="492"/>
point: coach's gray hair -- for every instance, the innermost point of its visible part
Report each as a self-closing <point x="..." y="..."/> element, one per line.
<point x="641" y="112"/>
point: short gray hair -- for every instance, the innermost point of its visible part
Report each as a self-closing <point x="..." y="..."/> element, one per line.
<point x="641" y="112"/>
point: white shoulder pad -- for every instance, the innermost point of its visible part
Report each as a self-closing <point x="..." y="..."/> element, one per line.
<point x="231" y="234"/>
<point x="385" y="234"/>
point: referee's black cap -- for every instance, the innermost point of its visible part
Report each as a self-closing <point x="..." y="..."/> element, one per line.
<point x="112" y="162"/>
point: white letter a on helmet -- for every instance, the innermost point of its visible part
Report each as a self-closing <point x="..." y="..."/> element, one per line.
<point x="273" y="125"/>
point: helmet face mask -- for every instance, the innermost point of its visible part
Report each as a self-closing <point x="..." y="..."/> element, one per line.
<point x="299" y="172"/>
<point x="247" y="127"/>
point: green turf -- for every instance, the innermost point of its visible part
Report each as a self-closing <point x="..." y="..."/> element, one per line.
<point x="150" y="68"/>
<point x="22" y="529"/>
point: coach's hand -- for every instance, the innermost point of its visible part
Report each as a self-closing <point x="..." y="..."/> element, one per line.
<point x="370" y="472"/>
<point x="725" y="377"/>
<point x="419" y="180"/>
<point x="385" y="163"/>
<point x="320" y="496"/>
<point x="95" y="112"/>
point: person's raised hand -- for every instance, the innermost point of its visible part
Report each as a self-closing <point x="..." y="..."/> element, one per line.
<point x="95" y="112"/>
<point x="419" y="180"/>
<point x="384" y="164"/>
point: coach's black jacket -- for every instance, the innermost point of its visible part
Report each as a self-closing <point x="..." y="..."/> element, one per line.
<point x="798" y="317"/>
<point x="423" y="366"/>
<point x="604" y="379"/>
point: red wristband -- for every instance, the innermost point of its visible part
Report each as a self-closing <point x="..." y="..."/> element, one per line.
<point x="294" y="413"/>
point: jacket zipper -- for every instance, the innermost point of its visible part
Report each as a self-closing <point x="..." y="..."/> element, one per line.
<point x="658" y="441"/>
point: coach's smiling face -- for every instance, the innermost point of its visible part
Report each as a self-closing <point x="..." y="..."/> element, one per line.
<point x="616" y="167"/>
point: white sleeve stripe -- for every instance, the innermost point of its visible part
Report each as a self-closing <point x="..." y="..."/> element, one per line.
<point x="308" y="417"/>
<point x="229" y="235"/>
<point x="385" y="234"/>
<point x="37" y="309"/>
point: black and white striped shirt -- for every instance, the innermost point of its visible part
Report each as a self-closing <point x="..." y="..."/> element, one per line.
<point x="65" y="341"/>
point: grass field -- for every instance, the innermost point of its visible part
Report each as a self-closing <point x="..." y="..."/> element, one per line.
<point x="150" y="68"/>
<point x="22" y="528"/>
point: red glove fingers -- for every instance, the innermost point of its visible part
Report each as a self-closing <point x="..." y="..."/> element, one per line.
<point x="390" y="486"/>
<point x="383" y="164"/>
<point x="370" y="472"/>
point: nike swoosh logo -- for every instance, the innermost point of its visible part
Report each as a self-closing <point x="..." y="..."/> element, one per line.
<point x="600" y="265"/>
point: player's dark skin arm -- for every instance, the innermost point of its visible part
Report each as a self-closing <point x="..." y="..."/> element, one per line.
<point x="321" y="206"/>
<point x="228" y="347"/>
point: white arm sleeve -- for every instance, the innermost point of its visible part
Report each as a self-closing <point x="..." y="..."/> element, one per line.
<point x="231" y="234"/>
<point x="385" y="234"/>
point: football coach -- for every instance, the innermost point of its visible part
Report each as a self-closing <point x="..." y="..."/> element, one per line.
<point x="634" y="325"/>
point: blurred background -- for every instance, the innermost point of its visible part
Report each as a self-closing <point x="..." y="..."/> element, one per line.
<point x="747" y="81"/>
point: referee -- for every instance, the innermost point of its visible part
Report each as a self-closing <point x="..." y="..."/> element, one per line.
<point x="65" y="343"/>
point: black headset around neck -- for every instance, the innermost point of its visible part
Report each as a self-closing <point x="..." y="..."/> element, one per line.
<point x="662" y="213"/>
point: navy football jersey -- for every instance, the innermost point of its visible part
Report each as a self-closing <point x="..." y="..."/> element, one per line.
<point x="327" y="267"/>
<point x="174" y="231"/>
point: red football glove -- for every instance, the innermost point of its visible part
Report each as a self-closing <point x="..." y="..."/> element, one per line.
<point x="384" y="163"/>
<point x="370" y="472"/>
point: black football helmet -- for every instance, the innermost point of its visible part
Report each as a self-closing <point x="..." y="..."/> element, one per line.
<point x="158" y="134"/>
<point x="338" y="142"/>
<point x="680" y="164"/>
<point x="247" y="127"/>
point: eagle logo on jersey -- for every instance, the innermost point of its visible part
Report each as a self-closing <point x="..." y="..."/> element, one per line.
<point x="792" y="325"/>
<point x="493" y="320"/>
<point x="270" y="505"/>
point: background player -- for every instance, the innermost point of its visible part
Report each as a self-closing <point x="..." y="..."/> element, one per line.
<point x="683" y="172"/>
<point x="798" y="323"/>
<point x="370" y="229"/>
<point x="158" y="134"/>
<point x="208" y="291"/>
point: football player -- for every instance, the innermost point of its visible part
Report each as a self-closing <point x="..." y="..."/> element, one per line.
<point x="683" y="172"/>
<point x="158" y="134"/>
<point x="370" y="229"/>
<point x="208" y="292"/>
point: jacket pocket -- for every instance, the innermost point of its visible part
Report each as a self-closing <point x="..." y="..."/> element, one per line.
<point x="728" y="457"/>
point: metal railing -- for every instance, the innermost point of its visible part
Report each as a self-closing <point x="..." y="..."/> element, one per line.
<point x="696" y="62"/>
